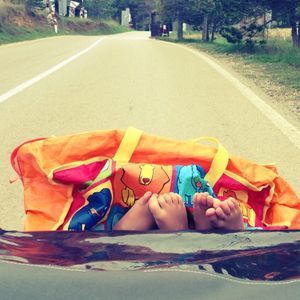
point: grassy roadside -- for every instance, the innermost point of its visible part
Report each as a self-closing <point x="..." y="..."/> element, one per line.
<point x="66" y="27"/>
<point x="274" y="67"/>
<point x="18" y="25"/>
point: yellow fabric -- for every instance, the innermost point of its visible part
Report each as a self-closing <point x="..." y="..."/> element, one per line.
<point x="218" y="166"/>
<point x="219" y="163"/>
<point x="128" y="144"/>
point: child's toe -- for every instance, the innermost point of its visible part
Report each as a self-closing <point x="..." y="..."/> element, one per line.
<point x="164" y="200"/>
<point x="209" y="201"/>
<point x="216" y="202"/>
<point x="220" y="213"/>
<point x="145" y="198"/>
<point x="231" y="204"/>
<point x="175" y="198"/>
<point x="154" y="205"/>
<point x="196" y="198"/>
<point x="210" y="212"/>
<point x="225" y="207"/>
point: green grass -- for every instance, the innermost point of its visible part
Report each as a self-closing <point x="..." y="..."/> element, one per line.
<point x="275" y="50"/>
<point x="11" y="34"/>
<point x="16" y="25"/>
<point x="89" y="27"/>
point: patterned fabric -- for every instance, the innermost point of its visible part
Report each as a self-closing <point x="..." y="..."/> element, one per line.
<point x="104" y="191"/>
<point x="90" y="180"/>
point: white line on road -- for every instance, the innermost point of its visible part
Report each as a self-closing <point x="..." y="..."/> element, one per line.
<point x="290" y="131"/>
<point x="39" y="77"/>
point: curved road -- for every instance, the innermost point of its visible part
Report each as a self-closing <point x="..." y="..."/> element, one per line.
<point x="128" y="80"/>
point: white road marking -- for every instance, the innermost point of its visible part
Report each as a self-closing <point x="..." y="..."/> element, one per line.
<point x="289" y="130"/>
<point x="40" y="76"/>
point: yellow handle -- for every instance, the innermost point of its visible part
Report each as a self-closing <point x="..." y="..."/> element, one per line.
<point x="128" y="144"/>
<point x="219" y="163"/>
<point x="218" y="166"/>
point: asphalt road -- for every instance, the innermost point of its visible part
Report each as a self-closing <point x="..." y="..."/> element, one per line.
<point x="128" y="80"/>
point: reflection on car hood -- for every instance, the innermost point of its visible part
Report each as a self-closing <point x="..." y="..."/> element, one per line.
<point x="263" y="256"/>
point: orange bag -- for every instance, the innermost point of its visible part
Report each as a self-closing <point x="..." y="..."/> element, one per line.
<point x="63" y="175"/>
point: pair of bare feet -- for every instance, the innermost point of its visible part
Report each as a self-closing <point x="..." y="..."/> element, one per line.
<point x="168" y="212"/>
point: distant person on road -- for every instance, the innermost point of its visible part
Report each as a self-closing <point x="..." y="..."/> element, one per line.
<point x="168" y="212"/>
<point x="165" y="31"/>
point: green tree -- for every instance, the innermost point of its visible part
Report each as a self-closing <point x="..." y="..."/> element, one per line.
<point x="205" y="14"/>
<point x="229" y="13"/>
<point x="140" y="11"/>
<point x="288" y="11"/>
<point x="240" y="20"/>
<point x="100" y="9"/>
<point x="208" y="15"/>
<point x="32" y="5"/>
<point x="177" y="10"/>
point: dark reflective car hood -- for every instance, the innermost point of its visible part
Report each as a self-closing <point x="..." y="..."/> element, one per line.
<point x="250" y="255"/>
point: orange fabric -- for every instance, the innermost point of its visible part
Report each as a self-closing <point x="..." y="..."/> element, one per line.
<point x="45" y="201"/>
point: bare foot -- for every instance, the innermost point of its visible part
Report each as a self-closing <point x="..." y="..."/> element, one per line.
<point x="138" y="217"/>
<point x="201" y="203"/>
<point x="226" y="214"/>
<point x="169" y="211"/>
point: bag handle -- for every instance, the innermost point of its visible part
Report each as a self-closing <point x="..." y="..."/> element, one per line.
<point x="128" y="144"/>
<point x="218" y="164"/>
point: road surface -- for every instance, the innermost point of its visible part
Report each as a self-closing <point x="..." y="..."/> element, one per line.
<point x="65" y="85"/>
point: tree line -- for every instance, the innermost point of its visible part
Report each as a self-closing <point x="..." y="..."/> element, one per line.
<point x="140" y="10"/>
<point x="208" y="16"/>
<point x="222" y="16"/>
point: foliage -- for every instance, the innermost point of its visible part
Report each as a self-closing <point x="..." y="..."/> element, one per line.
<point x="232" y="34"/>
<point x="100" y="9"/>
<point x="180" y="11"/>
<point x="140" y="11"/>
<point x="111" y="9"/>
<point x="246" y="33"/>
<point x="213" y="16"/>
<point x="32" y="5"/>
<point x="174" y="9"/>
<point x="287" y="12"/>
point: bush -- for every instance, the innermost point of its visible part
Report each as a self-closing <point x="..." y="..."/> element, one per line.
<point x="232" y="34"/>
<point x="246" y="34"/>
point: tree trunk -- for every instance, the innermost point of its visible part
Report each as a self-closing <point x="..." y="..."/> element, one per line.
<point x="295" y="33"/>
<point x="265" y="26"/>
<point x="213" y="30"/>
<point x="295" y="26"/>
<point x="205" y="35"/>
<point x="180" y="29"/>
<point x="134" y="25"/>
<point x="298" y="34"/>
